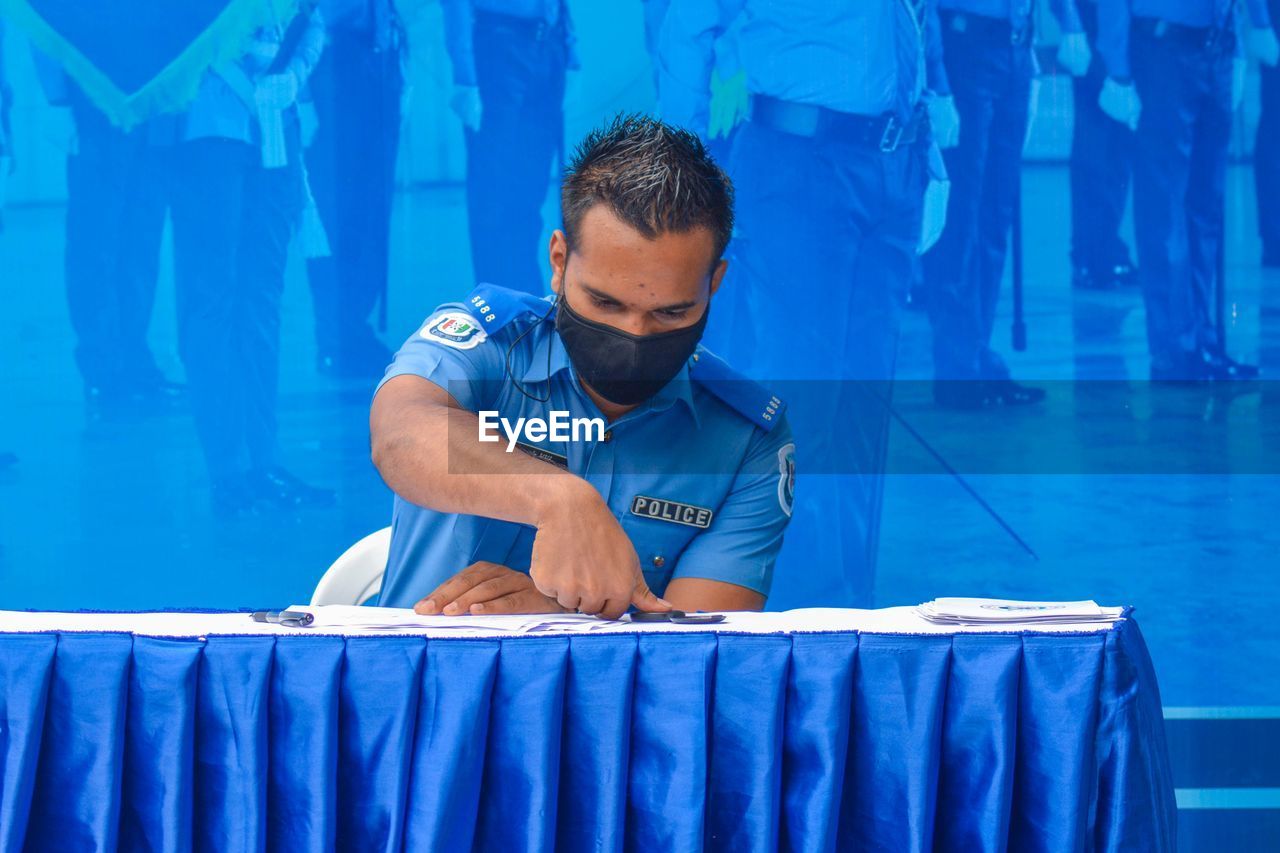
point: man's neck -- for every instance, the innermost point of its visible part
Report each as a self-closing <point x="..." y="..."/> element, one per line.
<point x="611" y="411"/>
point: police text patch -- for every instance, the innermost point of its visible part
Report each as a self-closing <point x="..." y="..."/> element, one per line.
<point x="455" y="329"/>
<point x="672" y="511"/>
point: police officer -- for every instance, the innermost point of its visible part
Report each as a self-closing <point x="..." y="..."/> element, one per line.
<point x="351" y="164"/>
<point x="685" y="491"/>
<point x="832" y="168"/>
<point x="111" y="253"/>
<point x="236" y="195"/>
<point x="509" y="63"/>
<point x="987" y="45"/>
<point x="1266" y="151"/>
<point x="1187" y="77"/>
<point x="1101" y="167"/>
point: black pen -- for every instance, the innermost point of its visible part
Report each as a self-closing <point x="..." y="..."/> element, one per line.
<point x="288" y="618"/>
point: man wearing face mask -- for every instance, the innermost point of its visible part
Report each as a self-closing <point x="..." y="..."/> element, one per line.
<point x="681" y="501"/>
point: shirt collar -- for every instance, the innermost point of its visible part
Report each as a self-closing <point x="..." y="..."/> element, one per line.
<point x="540" y="369"/>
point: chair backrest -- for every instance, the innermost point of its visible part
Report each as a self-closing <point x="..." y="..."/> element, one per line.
<point x="356" y="576"/>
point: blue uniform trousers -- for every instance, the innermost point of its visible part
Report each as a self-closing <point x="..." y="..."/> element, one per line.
<point x="1101" y="167"/>
<point x="1266" y="159"/>
<point x="825" y="241"/>
<point x="990" y="69"/>
<point x="115" y="218"/>
<point x="520" y="69"/>
<point x="1183" y="76"/>
<point x="232" y="223"/>
<point x="351" y="164"/>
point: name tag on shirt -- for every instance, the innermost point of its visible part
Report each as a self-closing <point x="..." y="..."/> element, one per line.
<point x="544" y="455"/>
<point x="673" y="511"/>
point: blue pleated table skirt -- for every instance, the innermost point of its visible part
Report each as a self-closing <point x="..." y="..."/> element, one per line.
<point x="653" y="742"/>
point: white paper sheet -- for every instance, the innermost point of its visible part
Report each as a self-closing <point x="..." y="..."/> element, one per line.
<point x="894" y="620"/>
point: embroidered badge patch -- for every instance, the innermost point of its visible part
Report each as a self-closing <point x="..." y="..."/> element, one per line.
<point x="455" y="329"/>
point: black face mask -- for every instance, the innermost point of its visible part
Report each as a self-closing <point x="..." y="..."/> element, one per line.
<point x="623" y="368"/>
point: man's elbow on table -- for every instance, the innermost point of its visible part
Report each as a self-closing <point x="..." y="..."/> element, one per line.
<point x="694" y="594"/>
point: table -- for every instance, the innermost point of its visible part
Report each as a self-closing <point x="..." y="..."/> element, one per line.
<point x="807" y="730"/>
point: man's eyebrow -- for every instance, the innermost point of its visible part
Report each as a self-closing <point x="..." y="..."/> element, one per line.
<point x="604" y="297"/>
<point x="600" y="294"/>
<point x="678" y="306"/>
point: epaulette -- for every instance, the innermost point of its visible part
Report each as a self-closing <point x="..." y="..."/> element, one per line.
<point x="496" y="307"/>
<point x="745" y="396"/>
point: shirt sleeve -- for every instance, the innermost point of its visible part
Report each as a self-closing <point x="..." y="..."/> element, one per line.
<point x="1068" y="15"/>
<point x="307" y="54"/>
<point x="453" y="351"/>
<point x="1259" y="16"/>
<point x="686" y="54"/>
<point x="742" y="543"/>
<point x="935" y="66"/>
<point x="1113" y="37"/>
<point x="459" y="27"/>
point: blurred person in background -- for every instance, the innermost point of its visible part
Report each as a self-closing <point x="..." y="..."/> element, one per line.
<point x="1266" y="151"/>
<point x="356" y="90"/>
<point x="236" y="198"/>
<point x="987" y="47"/>
<point x="7" y="160"/>
<point x="111" y="255"/>
<point x="838" y="188"/>
<point x="1101" y="169"/>
<point x="711" y="108"/>
<point x="1176" y="71"/>
<point x="509" y="62"/>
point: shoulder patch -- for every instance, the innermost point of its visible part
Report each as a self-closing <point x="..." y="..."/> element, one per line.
<point x="456" y="329"/>
<point x="745" y="396"/>
<point x="496" y="307"/>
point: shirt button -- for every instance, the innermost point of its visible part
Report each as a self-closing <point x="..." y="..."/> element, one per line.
<point x="659" y="561"/>
<point x="608" y="436"/>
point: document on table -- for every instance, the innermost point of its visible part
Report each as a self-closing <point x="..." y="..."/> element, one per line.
<point x="999" y="611"/>
<point x="390" y="618"/>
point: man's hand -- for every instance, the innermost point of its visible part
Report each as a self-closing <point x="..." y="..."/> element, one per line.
<point x="467" y="106"/>
<point x="1074" y="54"/>
<point x="581" y="557"/>
<point x="944" y="119"/>
<point x="486" y="588"/>
<point x="276" y="91"/>
<point x="1120" y="102"/>
<point x="728" y="105"/>
<point x="1264" y="46"/>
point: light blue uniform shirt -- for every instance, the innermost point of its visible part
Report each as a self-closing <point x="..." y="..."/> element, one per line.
<point x="853" y="56"/>
<point x="218" y="111"/>
<point x="459" y="19"/>
<point x="1114" y="17"/>
<point x="701" y="476"/>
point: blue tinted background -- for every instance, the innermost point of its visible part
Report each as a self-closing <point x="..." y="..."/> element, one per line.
<point x="115" y="515"/>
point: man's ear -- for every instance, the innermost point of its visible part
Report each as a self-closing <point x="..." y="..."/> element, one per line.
<point x="558" y="254"/>
<point x="717" y="274"/>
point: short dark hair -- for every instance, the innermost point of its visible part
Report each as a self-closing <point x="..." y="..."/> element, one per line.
<point x="655" y="177"/>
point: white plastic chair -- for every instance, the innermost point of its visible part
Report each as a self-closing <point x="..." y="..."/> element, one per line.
<point x="356" y="576"/>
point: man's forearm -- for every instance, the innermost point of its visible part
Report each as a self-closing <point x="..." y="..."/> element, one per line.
<point x="429" y="453"/>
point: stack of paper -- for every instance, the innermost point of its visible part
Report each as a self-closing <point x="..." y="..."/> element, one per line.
<point x="390" y="618"/>
<point x="997" y="611"/>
